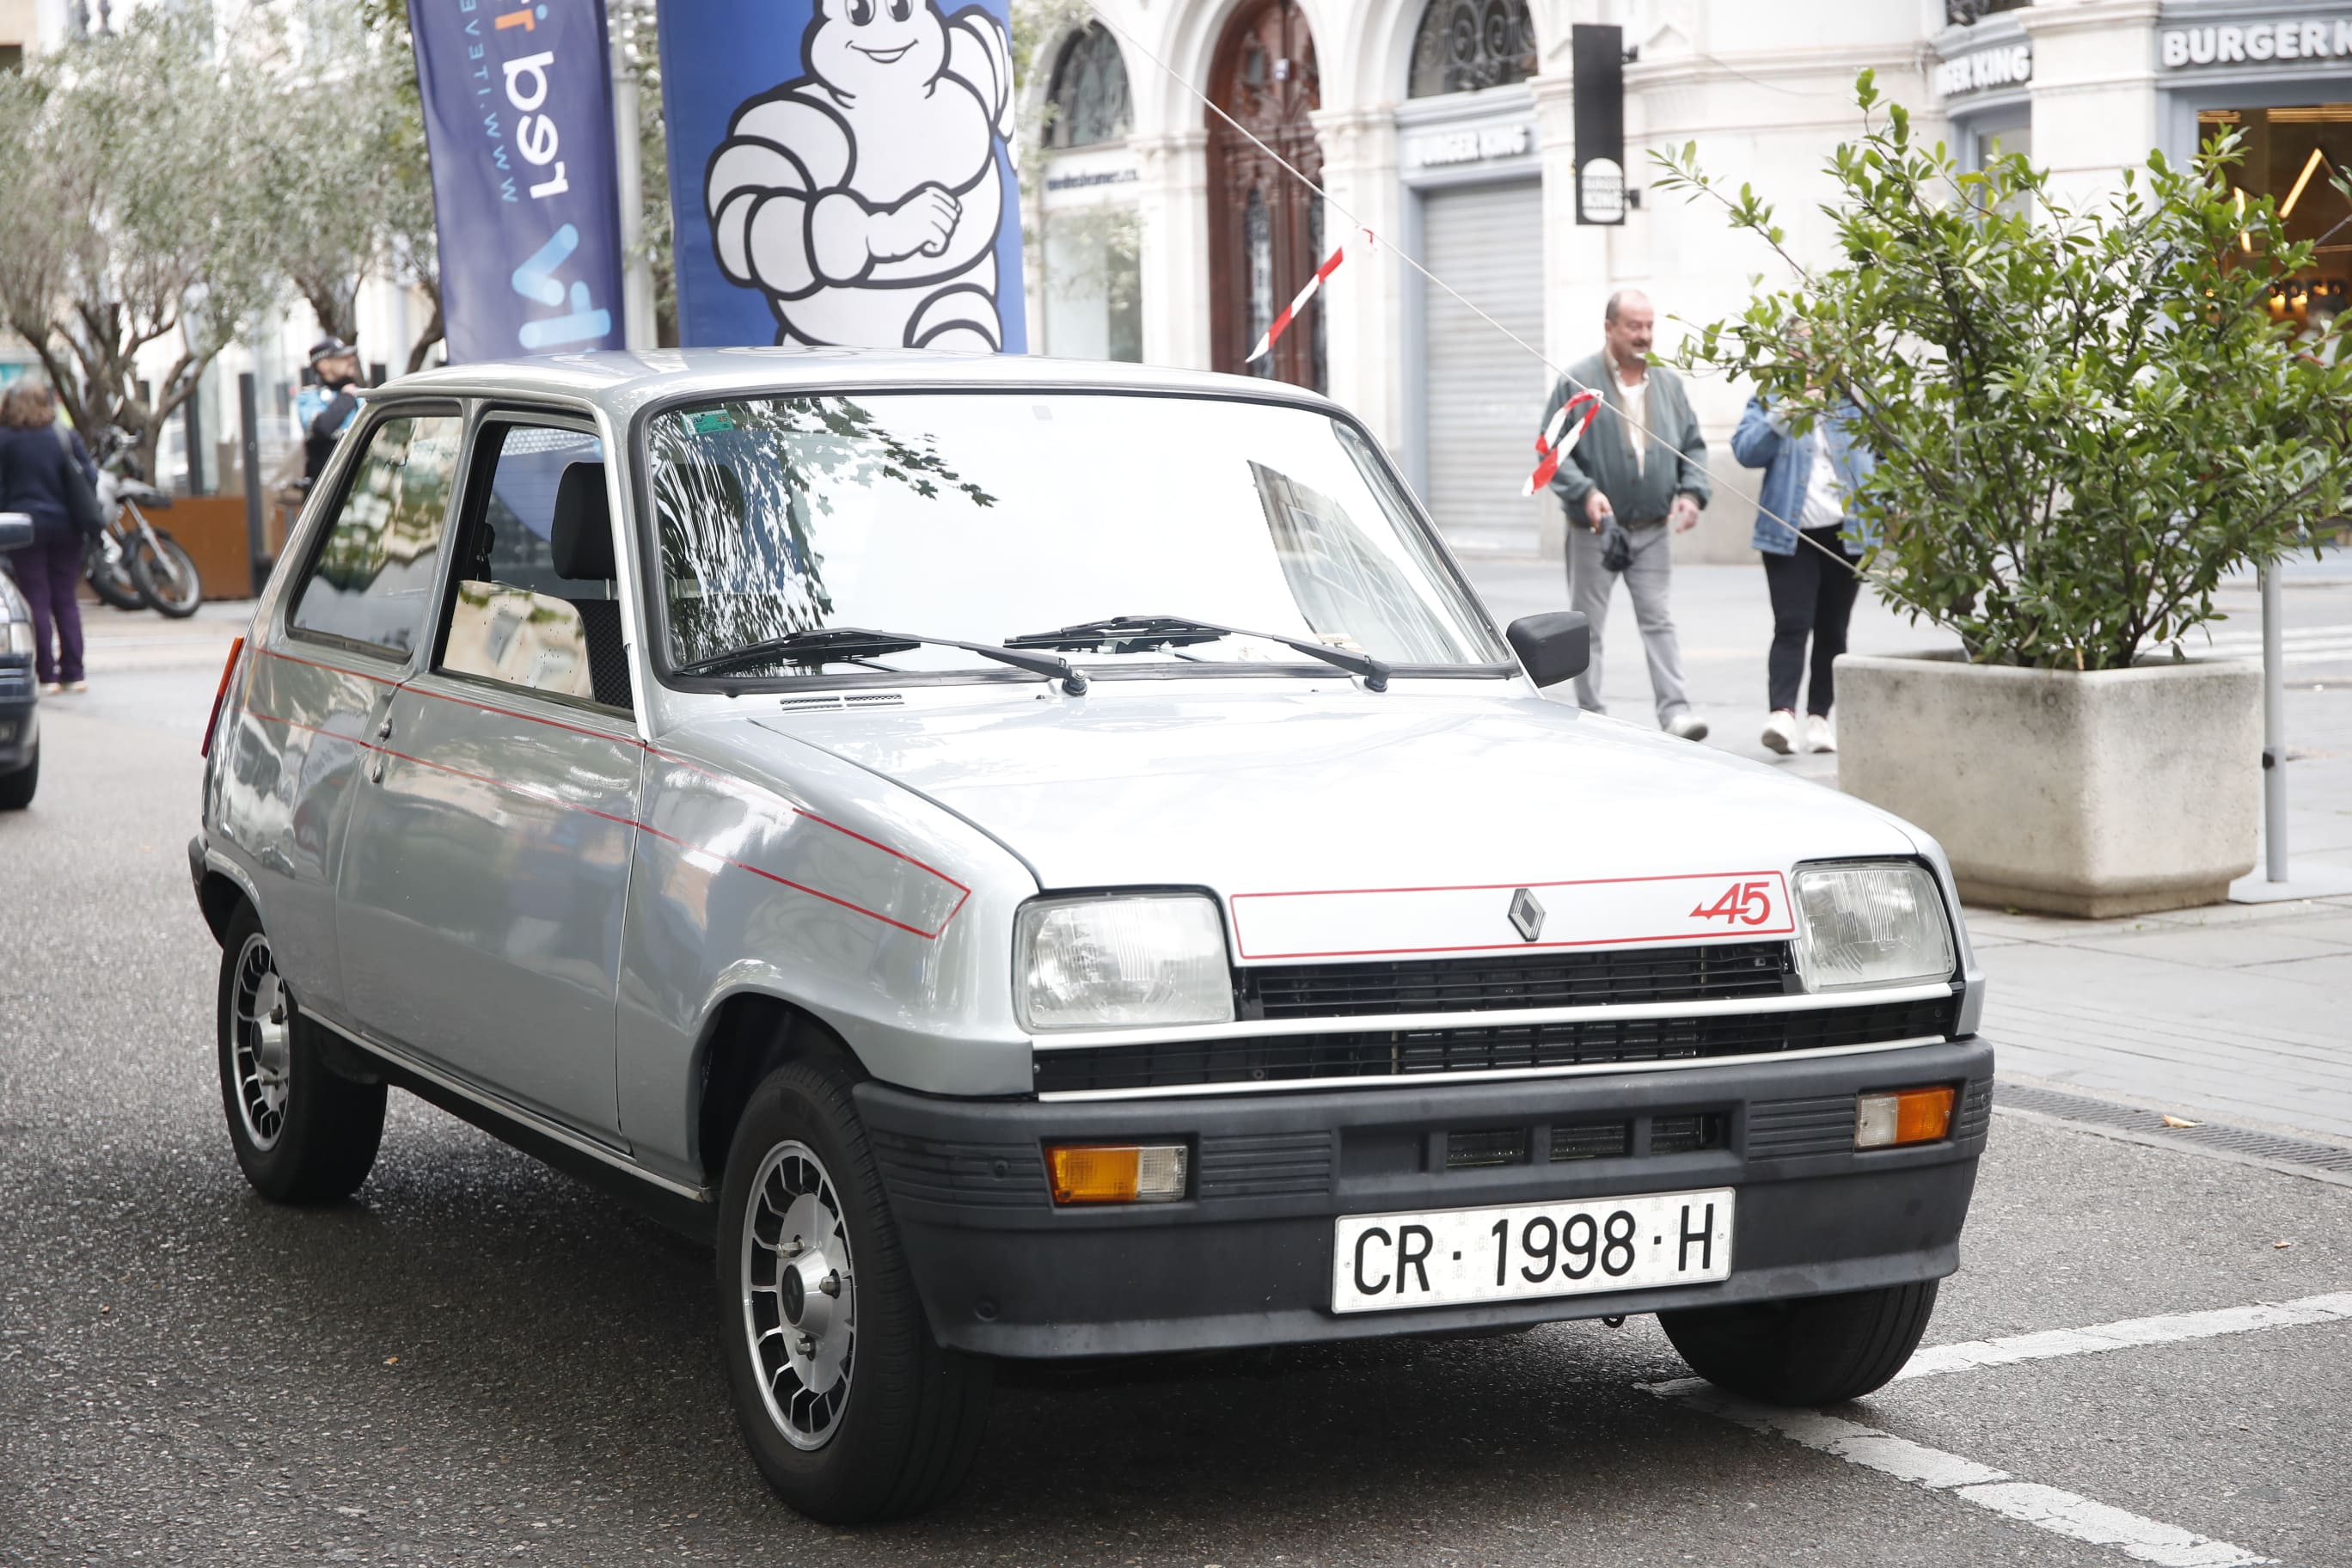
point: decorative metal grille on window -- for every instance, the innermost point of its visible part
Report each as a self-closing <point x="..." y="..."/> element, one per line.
<point x="1464" y="45"/>
<point x="1257" y="237"/>
<point x="1968" y="12"/>
<point x="1090" y="101"/>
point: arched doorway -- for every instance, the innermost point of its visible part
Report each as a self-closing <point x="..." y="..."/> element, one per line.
<point x="1266" y="229"/>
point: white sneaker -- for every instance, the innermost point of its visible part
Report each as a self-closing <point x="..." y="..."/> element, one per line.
<point x="1686" y="726"/>
<point x="52" y="688"/>
<point x="1780" y="732"/>
<point x="1818" y="736"/>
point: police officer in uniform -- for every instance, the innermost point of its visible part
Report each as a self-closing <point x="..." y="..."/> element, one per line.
<point x="327" y="409"/>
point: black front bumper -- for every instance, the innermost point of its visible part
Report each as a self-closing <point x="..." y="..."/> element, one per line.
<point x="20" y="713"/>
<point x="1245" y="1258"/>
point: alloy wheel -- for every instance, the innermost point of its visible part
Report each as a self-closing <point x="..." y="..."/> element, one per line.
<point x="799" y="1295"/>
<point x="262" y="1025"/>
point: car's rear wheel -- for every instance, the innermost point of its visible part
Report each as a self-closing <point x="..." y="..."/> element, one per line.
<point x="851" y="1410"/>
<point x="16" y="788"/>
<point x="1814" y="1350"/>
<point x="303" y="1132"/>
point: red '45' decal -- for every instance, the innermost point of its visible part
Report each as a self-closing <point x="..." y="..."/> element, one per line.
<point x="1742" y="903"/>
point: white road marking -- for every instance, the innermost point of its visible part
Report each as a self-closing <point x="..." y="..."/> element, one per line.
<point x="2063" y="1513"/>
<point x="2045" y="1508"/>
<point x="2168" y="1330"/>
<point x="1932" y="1469"/>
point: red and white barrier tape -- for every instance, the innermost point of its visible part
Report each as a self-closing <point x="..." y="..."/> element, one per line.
<point x="1557" y="439"/>
<point x="1290" y="312"/>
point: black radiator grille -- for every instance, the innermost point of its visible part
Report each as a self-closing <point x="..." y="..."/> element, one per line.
<point x="1628" y="976"/>
<point x="1414" y="1053"/>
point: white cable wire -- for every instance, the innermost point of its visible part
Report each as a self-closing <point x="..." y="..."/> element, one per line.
<point x="1400" y="254"/>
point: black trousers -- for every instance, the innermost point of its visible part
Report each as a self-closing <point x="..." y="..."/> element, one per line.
<point x="1812" y="596"/>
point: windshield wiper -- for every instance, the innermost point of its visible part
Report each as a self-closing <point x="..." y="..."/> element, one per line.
<point x="1124" y="633"/>
<point x="829" y="644"/>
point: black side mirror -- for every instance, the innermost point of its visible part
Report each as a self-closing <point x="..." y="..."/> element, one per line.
<point x="1555" y="646"/>
<point x="16" y="530"/>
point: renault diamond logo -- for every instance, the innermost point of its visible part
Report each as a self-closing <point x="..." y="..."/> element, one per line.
<point x="1527" y="914"/>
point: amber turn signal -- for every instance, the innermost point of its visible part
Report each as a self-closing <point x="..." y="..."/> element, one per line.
<point x="1114" y="1173"/>
<point x="1903" y="1116"/>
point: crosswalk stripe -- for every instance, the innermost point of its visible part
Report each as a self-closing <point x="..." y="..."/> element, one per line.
<point x="2045" y="1508"/>
<point x="1932" y="1469"/>
<point x="2169" y="1329"/>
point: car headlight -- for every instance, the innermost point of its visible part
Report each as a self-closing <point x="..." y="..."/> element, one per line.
<point x="1121" y="961"/>
<point x="1870" y="925"/>
<point x="20" y="637"/>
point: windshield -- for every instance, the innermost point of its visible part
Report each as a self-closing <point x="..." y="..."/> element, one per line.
<point x="984" y="517"/>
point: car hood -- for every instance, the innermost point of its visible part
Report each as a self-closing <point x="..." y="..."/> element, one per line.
<point x="1283" y="792"/>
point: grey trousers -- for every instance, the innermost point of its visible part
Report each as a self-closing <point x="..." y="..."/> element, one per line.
<point x="1649" y="579"/>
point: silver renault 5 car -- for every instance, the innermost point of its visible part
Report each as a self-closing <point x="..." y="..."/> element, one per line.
<point x="1040" y="859"/>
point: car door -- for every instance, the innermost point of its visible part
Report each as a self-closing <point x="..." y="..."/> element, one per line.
<point x="487" y="862"/>
<point x="321" y="678"/>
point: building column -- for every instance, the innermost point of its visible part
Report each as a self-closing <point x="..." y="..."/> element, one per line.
<point x="2094" y="96"/>
<point x="1172" y="207"/>
<point x="1364" y="304"/>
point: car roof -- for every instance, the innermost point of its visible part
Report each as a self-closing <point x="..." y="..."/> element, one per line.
<point x="623" y="381"/>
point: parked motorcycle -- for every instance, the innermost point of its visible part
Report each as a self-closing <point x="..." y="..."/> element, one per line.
<point x="133" y="565"/>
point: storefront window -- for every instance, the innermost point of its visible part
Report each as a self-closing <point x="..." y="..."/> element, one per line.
<point x="1090" y="102"/>
<point x="2289" y="156"/>
<point x="1987" y="143"/>
<point x="1094" y="288"/>
<point x="1464" y="45"/>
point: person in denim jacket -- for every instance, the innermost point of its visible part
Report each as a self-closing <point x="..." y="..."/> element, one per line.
<point x="1810" y="481"/>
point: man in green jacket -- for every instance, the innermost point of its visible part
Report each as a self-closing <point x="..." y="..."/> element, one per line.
<point x="1654" y="483"/>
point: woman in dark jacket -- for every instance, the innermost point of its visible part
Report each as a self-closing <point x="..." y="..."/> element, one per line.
<point x="33" y="477"/>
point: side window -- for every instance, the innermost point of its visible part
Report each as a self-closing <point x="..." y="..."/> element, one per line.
<point x="537" y="604"/>
<point x="374" y="579"/>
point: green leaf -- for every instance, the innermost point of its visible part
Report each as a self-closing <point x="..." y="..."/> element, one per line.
<point x="2084" y="417"/>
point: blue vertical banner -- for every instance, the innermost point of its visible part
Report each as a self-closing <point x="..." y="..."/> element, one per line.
<point x="840" y="172"/>
<point x="526" y="205"/>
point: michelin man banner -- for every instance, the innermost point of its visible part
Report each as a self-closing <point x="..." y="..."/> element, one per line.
<point x="519" y="119"/>
<point x="840" y="172"/>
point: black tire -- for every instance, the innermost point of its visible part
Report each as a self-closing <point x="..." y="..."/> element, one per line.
<point x="895" y="1429"/>
<point x="17" y="789"/>
<point x="166" y="577"/>
<point x="317" y="1140"/>
<point x="1815" y="1351"/>
<point x="114" y="586"/>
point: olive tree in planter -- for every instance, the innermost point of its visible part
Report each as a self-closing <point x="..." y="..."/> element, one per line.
<point x="2084" y="417"/>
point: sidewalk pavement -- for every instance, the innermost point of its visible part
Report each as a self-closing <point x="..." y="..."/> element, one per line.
<point x="2238" y="1013"/>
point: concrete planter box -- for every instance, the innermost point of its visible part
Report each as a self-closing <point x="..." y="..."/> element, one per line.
<point x="2108" y="794"/>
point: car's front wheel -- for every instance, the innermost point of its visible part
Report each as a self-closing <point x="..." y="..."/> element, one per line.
<point x="1814" y="1350"/>
<point x="852" y="1411"/>
<point x="17" y="789"/>
<point x="303" y="1132"/>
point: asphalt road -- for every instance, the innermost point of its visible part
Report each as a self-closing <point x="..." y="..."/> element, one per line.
<point x="478" y="1360"/>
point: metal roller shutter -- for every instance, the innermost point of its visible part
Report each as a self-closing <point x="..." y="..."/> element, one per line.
<point x="1485" y="393"/>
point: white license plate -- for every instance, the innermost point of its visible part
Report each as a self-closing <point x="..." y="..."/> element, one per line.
<point x="1451" y="1257"/>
